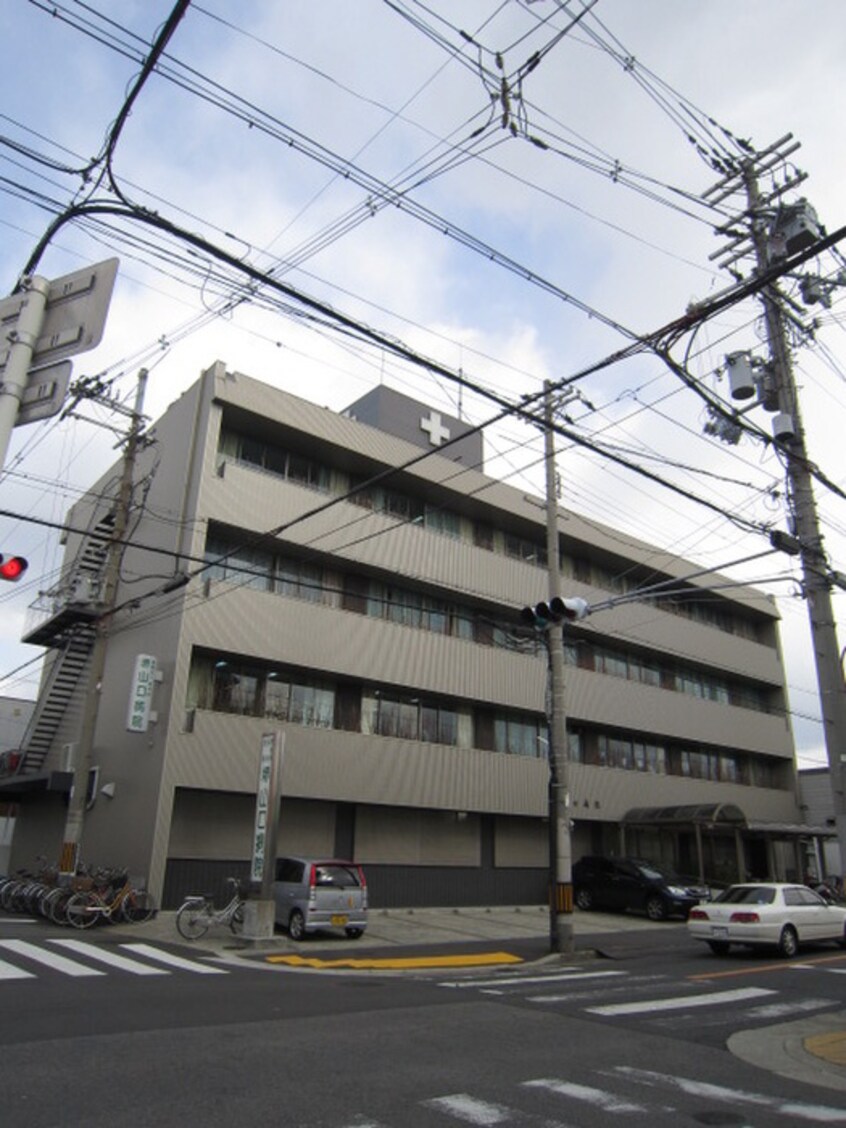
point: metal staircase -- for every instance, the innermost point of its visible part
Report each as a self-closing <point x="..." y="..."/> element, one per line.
<point x="67" y="623"/>
<point x="68" y="667"/>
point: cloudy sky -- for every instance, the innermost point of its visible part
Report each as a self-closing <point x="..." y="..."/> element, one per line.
<point x="512" y="188"/>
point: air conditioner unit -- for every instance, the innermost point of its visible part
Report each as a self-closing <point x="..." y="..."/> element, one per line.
<point x="83" y="589"/>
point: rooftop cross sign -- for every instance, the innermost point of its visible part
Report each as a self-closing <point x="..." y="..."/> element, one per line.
<point x="438" y="433"/>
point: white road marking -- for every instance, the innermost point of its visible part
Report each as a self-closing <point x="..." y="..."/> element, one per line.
<point x="164" y="957"/>
<point x="107" y="956"/>
<point x="506" y="980"/>
<point x="599" y="1098"/>
<point x="779" y="1010"/>
<point x="819" y="1114"/>
<point x="716" y="998"/>
<point x="9" y="971"/>
<point x="49" y="959"/>
<point x="461" y="1106"/>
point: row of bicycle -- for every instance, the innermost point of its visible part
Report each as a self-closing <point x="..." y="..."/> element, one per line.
<point x="81" y="900"/>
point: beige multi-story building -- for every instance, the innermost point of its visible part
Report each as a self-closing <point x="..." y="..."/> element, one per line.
<point x="356" y="585"/>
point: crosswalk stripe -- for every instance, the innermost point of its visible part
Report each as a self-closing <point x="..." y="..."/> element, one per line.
<point x="173" y="961"/>
<point x="9" y="971"/>
<point x="106" y="956"/>
<point x="797" y="1110"/>
<point x="49" y="959"/>
<point x="680" y="1001"/>
<point x="599" y="1098"/>
<point x="471" y="1110"/>
<point x="519" y="980"/>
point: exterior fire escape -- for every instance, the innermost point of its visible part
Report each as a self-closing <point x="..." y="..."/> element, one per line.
<point x="63" y="620"/>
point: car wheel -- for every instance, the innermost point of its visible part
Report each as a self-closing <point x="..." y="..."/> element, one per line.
<point x="296" y="925"/>
<point x="354" y="933"/>
<point x="584" y="899"/>
<point x="719" y="947"/>
<point x="788" y="942"/>
<point x="842" y="941"/>
<point x="656" y="909"/>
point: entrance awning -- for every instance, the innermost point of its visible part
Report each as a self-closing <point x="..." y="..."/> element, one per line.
<point x="699" y="814"/>
<point x="710" y="820"/>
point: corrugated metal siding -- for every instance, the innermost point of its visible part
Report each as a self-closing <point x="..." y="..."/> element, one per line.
<point x="291" y="411"/>
<point x="343" y="643"/>
<point x="222" y="754"/>
<point x="614" y="702"/>
<point x="244" y="497"/>
<point x="388" y="886"/>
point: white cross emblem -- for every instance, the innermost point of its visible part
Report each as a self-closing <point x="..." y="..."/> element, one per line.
<point x="438" y="433"/>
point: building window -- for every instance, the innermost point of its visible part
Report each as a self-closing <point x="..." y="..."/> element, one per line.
<point x="443" y="521"/>
<point x="707" y="687"/>
<point x="518" y="736"/>
<point x="275" y="460"/>
<point x="230" y="686"/>
<point x="300" y="579"/>
<point x="239" y="564"/>
<point x="412" y="719"/>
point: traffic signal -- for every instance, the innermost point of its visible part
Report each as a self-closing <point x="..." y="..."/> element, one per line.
<point x="12" y="567"/>
<point x="557" y="610"/>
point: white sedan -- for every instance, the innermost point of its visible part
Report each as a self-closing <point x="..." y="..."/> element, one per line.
<point x="767" y="914"/>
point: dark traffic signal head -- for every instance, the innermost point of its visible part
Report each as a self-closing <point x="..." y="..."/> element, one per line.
<point x="557" y="610"/>
<point x="12" y="567"/>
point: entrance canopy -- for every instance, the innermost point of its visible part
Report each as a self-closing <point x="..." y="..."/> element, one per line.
<point x="707" y="815"/>
<point x="710" y="821"/>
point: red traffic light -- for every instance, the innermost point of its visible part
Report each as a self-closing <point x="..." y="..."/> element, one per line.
<point x="12" y="567"/>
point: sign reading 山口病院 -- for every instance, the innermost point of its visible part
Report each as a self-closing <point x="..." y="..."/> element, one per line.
<point x="141" y="694"/>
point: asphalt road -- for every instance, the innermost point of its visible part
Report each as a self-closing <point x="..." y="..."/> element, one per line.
<point x="165" y="1034"/>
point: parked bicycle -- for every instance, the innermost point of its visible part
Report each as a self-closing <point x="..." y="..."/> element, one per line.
<point x="196" y="915"/>
<point x="116" y="900"/>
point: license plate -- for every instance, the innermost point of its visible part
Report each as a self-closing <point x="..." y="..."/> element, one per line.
<point x="718" y="932"/>
<point x="339" y="920"/>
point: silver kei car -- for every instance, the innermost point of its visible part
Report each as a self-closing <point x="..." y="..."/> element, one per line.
<point x="767" y="914"/>
<point x="312" y="894"/>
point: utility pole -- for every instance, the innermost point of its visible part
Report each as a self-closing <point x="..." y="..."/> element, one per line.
<point x="790" y="442"/>
<point x="561" y="935"/>
<point x="75" y="818"/>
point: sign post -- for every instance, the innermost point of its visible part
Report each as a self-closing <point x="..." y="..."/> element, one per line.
<point x="260" y="910"/>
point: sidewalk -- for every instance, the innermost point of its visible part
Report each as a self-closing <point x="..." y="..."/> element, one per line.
<point x="812" y="1049"/>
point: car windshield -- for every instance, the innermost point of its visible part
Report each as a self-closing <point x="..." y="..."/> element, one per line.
<point x="748" y="895"/>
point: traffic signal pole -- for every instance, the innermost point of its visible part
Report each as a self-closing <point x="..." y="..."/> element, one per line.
<point x="561" y="934"/>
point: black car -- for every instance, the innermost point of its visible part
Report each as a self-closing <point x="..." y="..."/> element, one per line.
<point x="630" y="883"/>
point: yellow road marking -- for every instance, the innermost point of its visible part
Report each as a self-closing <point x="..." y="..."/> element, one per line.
<point x="781" y="966"/>
<point x="831" y="1047"/>
<point x="398" y="963"/>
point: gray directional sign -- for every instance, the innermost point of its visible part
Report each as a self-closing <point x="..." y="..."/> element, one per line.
<point x="45" y="392"/>
<point x="74" y="319"/>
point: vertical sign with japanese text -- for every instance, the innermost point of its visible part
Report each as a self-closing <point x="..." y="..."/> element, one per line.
<point x="141" y="693"/>
<point x="267" y="812"/>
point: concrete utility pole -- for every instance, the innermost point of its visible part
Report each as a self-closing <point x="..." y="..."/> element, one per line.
<point x="561" y="935"/>
<point x="816" y="580"/>
<point x="75" y="818"/>
<point x="790" y="436"/>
